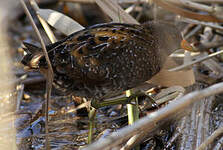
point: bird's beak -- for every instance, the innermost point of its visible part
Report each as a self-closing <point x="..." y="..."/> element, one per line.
<point x="187" y="46"/>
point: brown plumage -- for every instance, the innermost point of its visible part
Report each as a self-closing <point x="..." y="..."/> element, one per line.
<point x="104" y="59"/>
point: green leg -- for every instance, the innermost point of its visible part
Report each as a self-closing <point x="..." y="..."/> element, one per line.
<point x="95" y="104"/>
<point x="133" y="111"/>
<point x="123" y="100"/>
<point x="91" y="116"/>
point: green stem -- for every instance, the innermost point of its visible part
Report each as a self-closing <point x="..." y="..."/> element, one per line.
<point x="91" y="116"/>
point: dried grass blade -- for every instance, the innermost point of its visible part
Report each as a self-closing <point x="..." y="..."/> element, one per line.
<point x="46" y="27"/>
<point x="196" y="61"/>
<point x="59" y="21"/>
<point x="113" y="10"/>
<point x="186" y="13"/>
<point x="50" y="71"/>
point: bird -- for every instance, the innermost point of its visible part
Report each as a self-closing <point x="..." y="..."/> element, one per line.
<point x="105" y="59"/>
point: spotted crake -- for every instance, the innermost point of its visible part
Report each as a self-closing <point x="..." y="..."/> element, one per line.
<point x="101" y="60"/>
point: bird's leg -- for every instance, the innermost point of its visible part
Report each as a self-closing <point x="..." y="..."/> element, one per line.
<point x="95" y="104"/>
<point x="132" y="109"/>
<point x="122" y="100"/>
<point x="91" y="116"/>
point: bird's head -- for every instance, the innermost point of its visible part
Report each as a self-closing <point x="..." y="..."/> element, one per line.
<point x="168" y="36"/>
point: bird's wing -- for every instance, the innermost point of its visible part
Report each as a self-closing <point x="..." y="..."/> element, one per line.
<point x="104" y="39"/>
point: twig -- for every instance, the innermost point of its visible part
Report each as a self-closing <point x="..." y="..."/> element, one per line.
<point x="43" y="22"/>
<point x="214" y="67"/>
<point x="60" y="21"/>
<point x="202" y="78"/>
<point x="19" y="80"/>
<point x="197" y="6"/>
<point x="208" y="24"/>
<point x="209" y="1"/>
<point x="146" y="124"/>
<point x="196" y="61"/>
<point x="19" y="96"/>
<point x="83" y="105"/>
<point x="182" y="125"/>
<point x="186" y="13"/>
<point x="117" y="14"/>
<point x="33" y="80"/>
<point x="219" y="144"/>
<point x="193" y="5"/>
<point x="49" y="84"/>
<point x="78" y="1"/>
<point x="50" y="70"/>
<point x="131" y="142"/>
<point x="130" y="9"/>
<point x="213" y="10"/>
<point x="208" y="45"/>
<point x="211" y="138"/>
<point x="200" y="131"/>
<point x="22" y="73"/>
<point x="118" y="1"/>
<point x="49" y="80"/>
<point x="194" y="31"/>
<point x="175" y="136"/>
